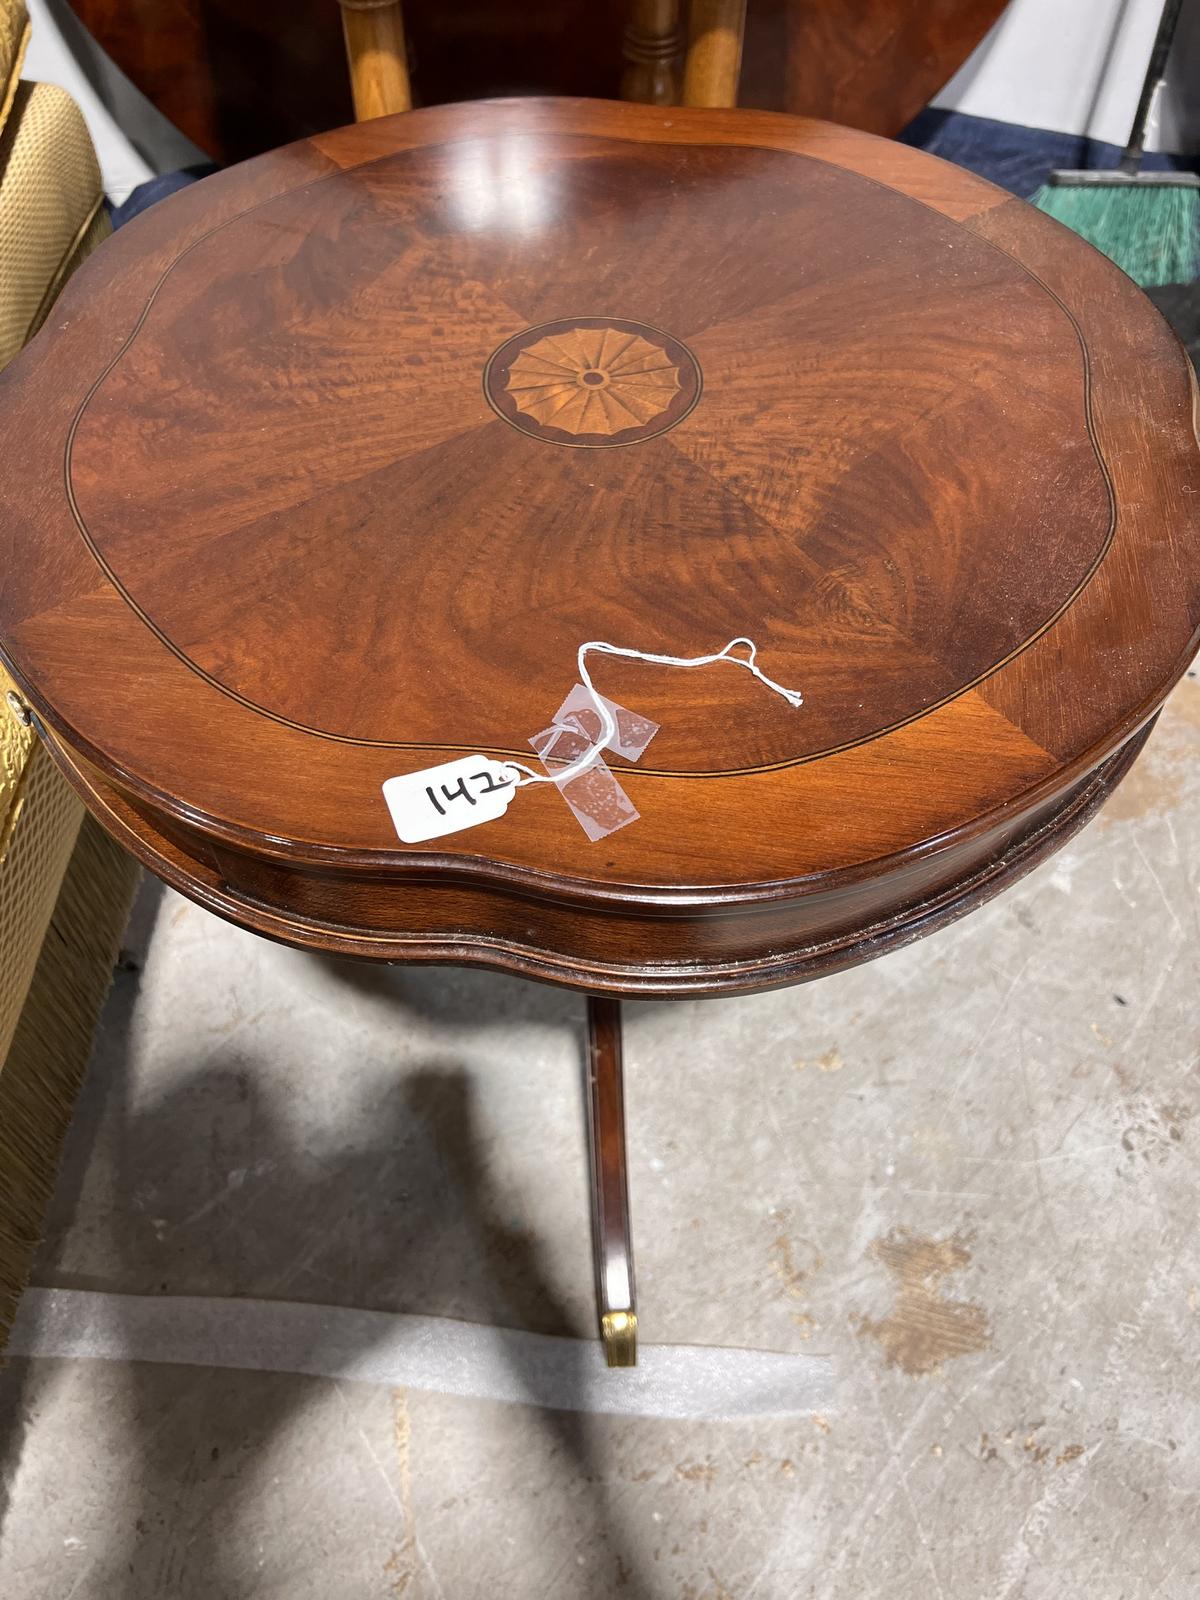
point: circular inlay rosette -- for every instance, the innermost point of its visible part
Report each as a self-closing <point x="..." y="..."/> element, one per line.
<point x="592" y="381"/>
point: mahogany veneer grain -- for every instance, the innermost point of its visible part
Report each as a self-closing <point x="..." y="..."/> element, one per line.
<point x="269" y="538"/>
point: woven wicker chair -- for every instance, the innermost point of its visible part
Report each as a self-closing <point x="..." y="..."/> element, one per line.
<point x="65" y="888"/>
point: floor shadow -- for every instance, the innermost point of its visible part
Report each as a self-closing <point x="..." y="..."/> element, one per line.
<point x="213" y="1187"/>
<point x="447" y="993"/>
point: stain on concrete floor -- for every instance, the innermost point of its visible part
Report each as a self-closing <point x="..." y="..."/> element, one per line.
<point x="925" y="1328"/>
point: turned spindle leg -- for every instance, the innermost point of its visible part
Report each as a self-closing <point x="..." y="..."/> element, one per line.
<point x="610" y="1186"/>
<point x="650" y="46"/>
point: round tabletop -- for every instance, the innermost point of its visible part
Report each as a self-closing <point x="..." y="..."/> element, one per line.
<point x="328" y="466"/>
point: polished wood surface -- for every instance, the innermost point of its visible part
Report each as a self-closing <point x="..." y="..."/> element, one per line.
<point x="611" y="1225"/>
<point x="236" y="79"/>
<point x="875" y="63"/>
<point x="273" y="537"/>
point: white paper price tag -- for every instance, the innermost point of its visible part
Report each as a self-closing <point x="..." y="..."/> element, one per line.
<point x="459" y="794"/>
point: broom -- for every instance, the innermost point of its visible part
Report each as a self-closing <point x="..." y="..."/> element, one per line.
<point x="1147" y="222"/>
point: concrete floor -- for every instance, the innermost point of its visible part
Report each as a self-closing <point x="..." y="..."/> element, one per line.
<point x="960" y="1181"/>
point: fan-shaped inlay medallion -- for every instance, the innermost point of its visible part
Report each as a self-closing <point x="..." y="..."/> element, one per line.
<point x="592" y="381"/>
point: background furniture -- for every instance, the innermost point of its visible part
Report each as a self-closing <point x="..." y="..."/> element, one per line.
<point x="65" y="888"/>
<point x="239" y="80"/>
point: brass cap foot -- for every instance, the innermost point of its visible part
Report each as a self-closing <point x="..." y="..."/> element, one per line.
<point x="619" y="1332"/>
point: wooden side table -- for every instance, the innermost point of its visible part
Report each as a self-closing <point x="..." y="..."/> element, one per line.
<point x="324" y="469"/>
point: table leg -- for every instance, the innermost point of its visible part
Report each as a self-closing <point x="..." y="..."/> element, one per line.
<point x="374" y="31"/>
<point x="650" y="47"/>
<point x="611" y="1232"/>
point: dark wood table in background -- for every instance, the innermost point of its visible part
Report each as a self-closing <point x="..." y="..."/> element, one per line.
<point x="241" y="79"/>
<point x="277" y="527"/>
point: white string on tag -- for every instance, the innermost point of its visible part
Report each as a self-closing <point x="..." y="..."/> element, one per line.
<point x="608" y="725"/>
<point x="462" y="793"/>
